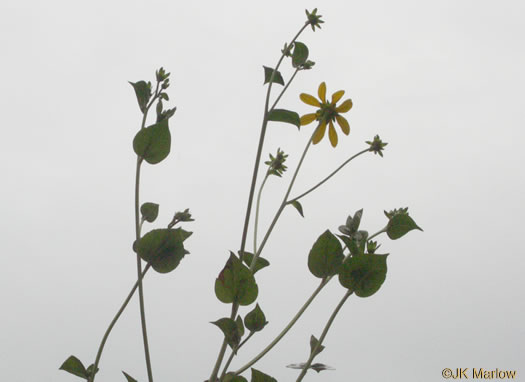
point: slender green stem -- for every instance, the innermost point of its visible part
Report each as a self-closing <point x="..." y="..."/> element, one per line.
<point x="283" y="204"/>
<point x="138" y="227"/>
<point x="284" y="89"/>
<point x="329" y="176"/>
<point x="256" y="221"/>
<point x="114" y="321"/>
<point x="233" y="353"/>
<point x="323" y="335"/>
<point x="285" y="330"/>
<point x="235" y="306"/>
<point x="376" y="234"/>
<point x="139" y="272"/>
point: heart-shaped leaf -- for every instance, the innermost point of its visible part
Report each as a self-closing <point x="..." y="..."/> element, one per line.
<point x="255" y="321"/>
<point x="153" y="143"/>
<point x="363" y="274"/>
<point x="163" y="248"/>
<point x="149" y="211"/>
<point x="400" y="225"/>
<point x="236" y="283"/>
<point x="326" y="256"/>
<point x="300" y="54"/>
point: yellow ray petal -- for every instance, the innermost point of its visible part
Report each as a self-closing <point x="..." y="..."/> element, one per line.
<point x="308" y="118"/>
<point x="322" y="92"/>
<point x="345" y="126"/>
<point x="309" y="100"/>
<point x="332" y="135"/>
<point x="337" y="96"/>
<point x="319" y="133"/>
<point x="344" y="107"/>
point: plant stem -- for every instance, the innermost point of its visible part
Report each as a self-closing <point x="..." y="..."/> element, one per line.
<point x="256" y="221"/>
<point x="139" y="272"/>
<point x="233" y="353"/>
<point x="283" y="204"/>
<point x="329" y="176"/>
<point x="114" y="321"/>
<point x="376" y="234"/>
<point x="323" y="335"/>
<point x="284" y="89"/>
<point x="285" y="330"/>
<point x="138" y="227"/>
<point x="235" y="306"/>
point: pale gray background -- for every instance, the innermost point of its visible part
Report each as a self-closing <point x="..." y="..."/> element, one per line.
<point x="441" y="81"/>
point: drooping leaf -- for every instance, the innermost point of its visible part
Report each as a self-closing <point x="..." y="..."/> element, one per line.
<point x="260" y="263"/>
<point x="236" y="283"/>
<point x="363" y="274"/>
<point x="230" y="330"/>
<point x="326" y="256"/>
<point x="163" y="248"/>
<point x="153" y="143"/>
<point x="149" y="211"/>
<point x="313" y="343"/>
<point x="143" y="93"/>
<point x="259" y="376"/>
<point x="283" y="115"/>
<point x="230" y="377"/>
<point x="277" y="78"/>
<point x="298" y="207"/>
<point x="255" y="321"/>
<point x="400" y="225"/>
<point x="300" y="54"/>
<point x="74" y="366"/>
<point x="129" y="377"/>
<point x="240" y="326"/>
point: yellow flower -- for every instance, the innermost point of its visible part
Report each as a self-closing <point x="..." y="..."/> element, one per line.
<point x="327" y="113"/>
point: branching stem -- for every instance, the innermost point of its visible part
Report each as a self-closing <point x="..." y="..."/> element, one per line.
<point x="323" y="335"/>
<point x="235" y="306"/>
<point x="114" y="321"/>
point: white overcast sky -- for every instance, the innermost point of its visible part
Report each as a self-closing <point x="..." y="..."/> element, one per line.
<point x="440" y="81"/>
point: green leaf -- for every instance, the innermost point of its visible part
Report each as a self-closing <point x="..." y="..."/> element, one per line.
<point x="298" y="207"/>
<point x="259" y="264"/>
<point x="277" y="78"/>
<point x="326" y="256"/>
<point x="363" y="274"/>
<point x="240" y="326"/>
<point x="236" y="283"/>
<point x="149" y="211"/>
<point x="230" y="330"/>
<point x="255" y="321"/>
<point x="153" y="143"/>
<point x="300" y="54"/>
<point x="282" y="115"/>
<point x="400" y="225"/>
<point x="163" y="248"/>
<point x="313" y="343"/>
<point x="230" y="377"/>
<point x="74" y="366"/>
<point x="259" y="376"/>
<point x="143" y="93"/>
<point x="129" y="377"/>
